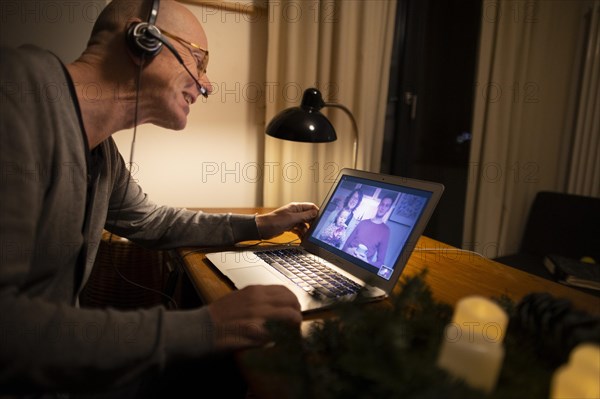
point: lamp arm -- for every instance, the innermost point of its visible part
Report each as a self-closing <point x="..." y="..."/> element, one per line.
<point x="354" y="127"/>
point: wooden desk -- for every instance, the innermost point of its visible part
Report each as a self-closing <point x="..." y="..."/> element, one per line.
<point x="452" y="274"/>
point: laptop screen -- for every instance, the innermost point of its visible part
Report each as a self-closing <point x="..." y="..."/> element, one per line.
<point x="368" y="222"/>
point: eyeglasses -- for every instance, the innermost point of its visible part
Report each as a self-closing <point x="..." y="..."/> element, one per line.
<point x="200" y="55"/>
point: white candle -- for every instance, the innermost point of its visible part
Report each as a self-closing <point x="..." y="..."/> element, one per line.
<point x="472" y="346"/>
<point x="580" y="377"/>
<point x="480" y="319"/>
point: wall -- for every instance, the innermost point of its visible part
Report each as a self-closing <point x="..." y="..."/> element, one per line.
<point x="61" y="26"/>
<point x="213" y="161"/>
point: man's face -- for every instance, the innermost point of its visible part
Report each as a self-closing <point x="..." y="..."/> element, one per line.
<point x="172" y="89"/>
<point x="384" y="207"/>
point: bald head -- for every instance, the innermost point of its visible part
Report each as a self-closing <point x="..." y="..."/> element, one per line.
<point x="119" y="14"/>
<point x="169" y="83"/>
<point x="115" y="15"/>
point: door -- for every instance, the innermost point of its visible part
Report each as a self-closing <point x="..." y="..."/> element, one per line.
<point x="430" y="106"/>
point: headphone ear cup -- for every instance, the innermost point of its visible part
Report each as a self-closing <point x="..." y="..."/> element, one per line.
<point x="140" y="42"/>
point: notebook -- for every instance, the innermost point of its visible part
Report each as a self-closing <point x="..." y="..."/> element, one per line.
<point x="357" y="247"/>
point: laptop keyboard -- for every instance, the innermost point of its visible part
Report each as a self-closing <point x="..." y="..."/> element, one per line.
<point x="308" y="273"/>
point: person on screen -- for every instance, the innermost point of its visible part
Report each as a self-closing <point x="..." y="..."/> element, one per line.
<point x="352" y="202"/>
<point x="335" y="233"/>
<point x="369" y="239"/>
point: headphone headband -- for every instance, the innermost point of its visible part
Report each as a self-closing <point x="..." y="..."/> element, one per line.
<point x="154" y="12"/>
<point x="142" y="37"/>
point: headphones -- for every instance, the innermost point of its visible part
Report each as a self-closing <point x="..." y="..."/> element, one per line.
<point x="142" y="37"/>
<point x="145" y="40"/>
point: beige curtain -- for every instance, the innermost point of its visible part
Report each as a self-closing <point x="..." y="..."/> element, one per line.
<point x="584" y="170"/>
<point x="523" y="115"/>
<point x="343" y="48"/>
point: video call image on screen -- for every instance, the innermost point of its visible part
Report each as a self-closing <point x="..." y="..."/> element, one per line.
<point x="370" y="221"/>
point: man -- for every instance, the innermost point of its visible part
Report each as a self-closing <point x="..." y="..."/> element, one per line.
<point x="369" y="239"/>
<point x="63" y="181"/>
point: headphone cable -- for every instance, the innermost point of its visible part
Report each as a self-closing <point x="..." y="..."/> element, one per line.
<point x="117" y="216"/>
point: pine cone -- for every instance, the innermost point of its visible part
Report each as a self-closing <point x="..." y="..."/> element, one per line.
<point x="554" y="325"/>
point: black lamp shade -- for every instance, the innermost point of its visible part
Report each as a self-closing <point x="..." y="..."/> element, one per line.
<point x="304" y="123"/>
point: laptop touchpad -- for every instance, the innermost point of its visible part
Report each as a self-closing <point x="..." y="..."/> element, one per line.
<point x="253" y="275"/>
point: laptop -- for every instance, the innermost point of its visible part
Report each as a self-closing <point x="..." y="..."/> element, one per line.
<point x="356" y="248"/>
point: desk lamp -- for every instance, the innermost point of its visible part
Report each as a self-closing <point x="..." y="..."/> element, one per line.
<point x="307" y="124"/>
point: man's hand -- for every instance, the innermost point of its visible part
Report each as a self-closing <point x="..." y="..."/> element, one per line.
<point x="239" y="318"/>
<point x="294" y="217"/>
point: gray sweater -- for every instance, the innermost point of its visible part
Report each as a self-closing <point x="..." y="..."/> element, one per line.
<point x="56" y="198"/>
